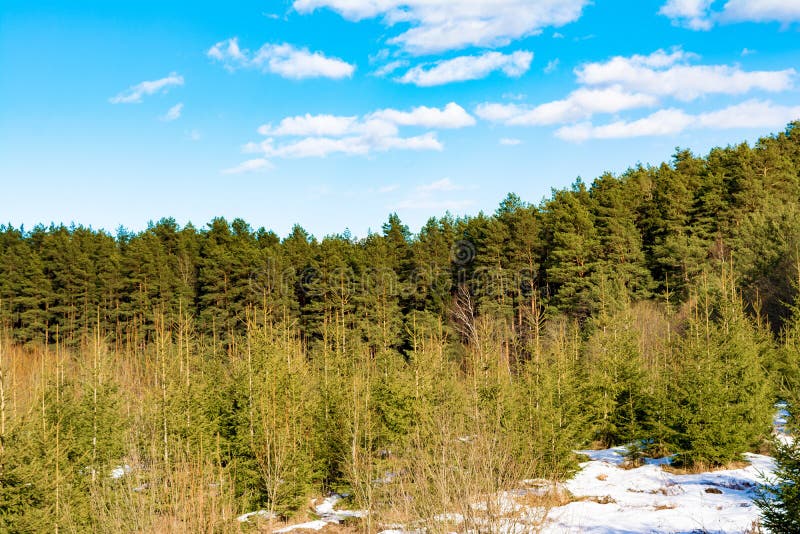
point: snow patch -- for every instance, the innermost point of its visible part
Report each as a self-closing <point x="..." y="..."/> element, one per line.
<point x="326" y="511"/>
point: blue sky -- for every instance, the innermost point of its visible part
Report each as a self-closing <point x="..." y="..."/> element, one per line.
<point x="335" y="113"/>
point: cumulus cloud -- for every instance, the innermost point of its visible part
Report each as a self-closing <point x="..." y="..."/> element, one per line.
<point x="314" y="125"/>
<point x="749" y="114"/>
<point x="436" y="26"/>
<point x="320" y="147"/>
<point x="173" y="113"/>
<point x="783" y="11"/>
<point x="451" y="116"/>
<point x="315" y="136"/>
<point x="645" y="81"/>
<point x="580" y="104"/>
<point x="699" y="15"/>
<point x="662" y="122"/>
<point x="692" y="14"/>
<point x="381" y="123"/>
<point x="465" y="68"/>
<point x="134" y="94"/>
<point x="284" y="60"/>
<point x="669" y="74"/>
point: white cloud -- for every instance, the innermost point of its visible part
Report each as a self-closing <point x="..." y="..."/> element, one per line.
<point x="580" y="104"/>
<point x="173" y="113"/>
<point x="551" y="66"/>
<point x="134" y="94"/>
<point x="315" y="125"/>
<point x="251" y="165"/>
<point x="783" y="11"/>
<point x="666" y="74"/>
<point x="320" y="147"/>
<point x="389" y="68"/>
<point x="309" y="136"/>
<point x="229" y="53"/>
<point x="440" y="25"/>
<point x="749" y="114"/>
<point x="662" y="122"/>
<point x="692" y="14"/>
<point x="640" y="81"/>
<point x="698" y="15"/>
<point x="451" y="116"/>
<point x="290" y="62"/>
<point x="282" y="59"/>
<point x="381" y="123"/>
<point x="510" y="141"/>
<point x="465" y="68"/>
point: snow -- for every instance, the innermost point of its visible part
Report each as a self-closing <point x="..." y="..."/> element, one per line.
<point x="120" y="471"/>
<point x="325" y="510"/>
<point x="780" y="422"/>
<point x="609" y="498"/>
<point x="648" y="498"/>
<point x="311" y="525"/>
<point x="244" y="518"/>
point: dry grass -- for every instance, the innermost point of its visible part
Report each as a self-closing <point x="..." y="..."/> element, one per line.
<point x="698" y="468"/>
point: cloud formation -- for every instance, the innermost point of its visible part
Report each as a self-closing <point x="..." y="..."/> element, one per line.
<point x="699" y="15"/>
<point x="282" y="59"/>
<point x="691" y="14"/>
<point x="748" y="114"/>
<point x="465" y="68"/>
<point x="670" y="74"/>
<point x="307" y="136"/>
<point x="646" y="81"/>
<point x="134" y="94"/>
<point x="580" y="104"/>
<point x="436" y="26"/>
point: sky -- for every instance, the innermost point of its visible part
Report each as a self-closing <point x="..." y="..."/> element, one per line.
<point x="335" y="113"/>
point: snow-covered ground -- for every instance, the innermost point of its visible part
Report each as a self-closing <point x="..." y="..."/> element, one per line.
<point x="609" y="497"/>
<point x="325" y="510"/>
<point x="650" y="499"/>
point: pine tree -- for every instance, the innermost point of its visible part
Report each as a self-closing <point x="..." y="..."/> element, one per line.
<point x="573" y="249"/>
<point x="721" y="406"/>
<point x="779" y="500"/>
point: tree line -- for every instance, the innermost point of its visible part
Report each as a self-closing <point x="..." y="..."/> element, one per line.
<point x="655" y="309"/>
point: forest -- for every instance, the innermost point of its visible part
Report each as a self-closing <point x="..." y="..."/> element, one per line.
<point x="225" y="369"/>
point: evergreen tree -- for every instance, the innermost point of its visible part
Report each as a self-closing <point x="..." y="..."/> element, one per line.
<point x="779" y="501"/>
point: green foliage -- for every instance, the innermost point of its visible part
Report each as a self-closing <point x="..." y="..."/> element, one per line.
<point x="614" y="391"/>
<point x="721" y="405"/>
<point x="498" y="343"/>
<point x="56" y="456"/>
<point x="780" y="502"/>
